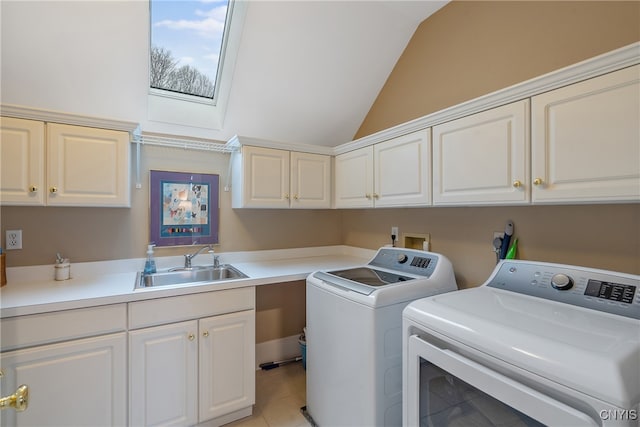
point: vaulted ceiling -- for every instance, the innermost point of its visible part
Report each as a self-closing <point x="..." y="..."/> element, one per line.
<point x="309" y="71"/>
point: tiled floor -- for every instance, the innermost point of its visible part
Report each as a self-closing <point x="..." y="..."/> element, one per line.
<point x="280" y="393"/>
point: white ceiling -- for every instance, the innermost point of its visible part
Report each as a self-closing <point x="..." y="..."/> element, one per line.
<point x="309" y="71"/>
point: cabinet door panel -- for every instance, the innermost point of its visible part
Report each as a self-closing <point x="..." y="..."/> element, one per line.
<point x="477" y="159"/>
<point x="266" y="177"/>
<point x="354" y="179"/>
<point x="163" y="375"/>
<point x="87" y="166"/>
<point x="403" y="170"/>
<point x="77" y="383"/>
<point x="310" y="180"/>
<point x="22" y="162"/>
<point x="227" y="364"/>
<point x="586" y="140"/>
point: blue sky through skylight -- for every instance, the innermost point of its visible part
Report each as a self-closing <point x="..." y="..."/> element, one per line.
<point x="191" y="30"/>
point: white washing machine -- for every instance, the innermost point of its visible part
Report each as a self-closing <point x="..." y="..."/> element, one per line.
<point x="536" y="344"/>
<point x="354" y="335"/>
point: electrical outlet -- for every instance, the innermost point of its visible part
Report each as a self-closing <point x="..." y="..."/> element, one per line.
<point x="394" y="231"/>
<point x="498" y="234"/>
<point x="14" y="239"/>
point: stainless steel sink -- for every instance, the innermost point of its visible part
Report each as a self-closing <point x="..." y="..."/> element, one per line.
<point x="181" y="276"/>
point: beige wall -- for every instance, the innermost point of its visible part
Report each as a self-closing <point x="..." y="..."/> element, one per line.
<point x="466" y="50"/>
<point x="601" y="236"/>
<point x="471" y="48"/>
<point x="280" y="310"/>
<point x="92" y="234"/>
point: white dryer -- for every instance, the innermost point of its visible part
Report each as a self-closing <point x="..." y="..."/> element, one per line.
<point x="354" y="335"/>
<point x="537" y="344"/>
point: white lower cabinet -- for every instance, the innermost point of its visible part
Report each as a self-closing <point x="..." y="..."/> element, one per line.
<point x="75" y="383"/>
<point x="200" y="370"/>
<point x="164" y="369"/>
<point x="227" y="364"/>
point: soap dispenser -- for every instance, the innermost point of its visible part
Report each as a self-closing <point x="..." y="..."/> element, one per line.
<point x="150" y="263"/>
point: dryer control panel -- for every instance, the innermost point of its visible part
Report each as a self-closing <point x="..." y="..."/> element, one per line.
<point x="611" y="292"/>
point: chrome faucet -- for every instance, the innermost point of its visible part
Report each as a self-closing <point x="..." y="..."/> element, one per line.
<point x="189" y="257"/>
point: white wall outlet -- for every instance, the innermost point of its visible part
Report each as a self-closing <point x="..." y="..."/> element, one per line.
<point x="498" y="234"/>
<point x="394" y="231"/>
<point x="14" y="239"/>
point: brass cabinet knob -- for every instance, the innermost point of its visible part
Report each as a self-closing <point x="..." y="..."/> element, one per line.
<point x="53" y="190"/>
<point x="286" y="196"/>
<point x="517" y="183"/>
<point x="295" y="197"/>
<point x="18" y="400"/>
<point x="368" y="196"/>
<point x="537" y="181"/>
<point x="376" y="196"/>
<point x="205" y="334"/>
<point x="33" y="189"/>
<point x="192" y="337"/>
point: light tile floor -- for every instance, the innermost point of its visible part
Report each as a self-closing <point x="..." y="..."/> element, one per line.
<point x="280" y="393"/>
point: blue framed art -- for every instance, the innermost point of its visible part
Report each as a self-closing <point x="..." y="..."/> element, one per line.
<point x="184" y="208"/>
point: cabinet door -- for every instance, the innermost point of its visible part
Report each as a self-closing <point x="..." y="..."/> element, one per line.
<point x="227" y="364"/>
<point x="76" y="383"/>
<point x="354" y="179"/>
<point x="403" y="170"/>
<point x="310" y="180"/>
<point x="586" y="140"/>
<point x="21" y="162"/>
<point x="265" y="178"/>
<point x="483" y="158"/>
<point x="87" y="166"/>
<point x="163" y="375"/>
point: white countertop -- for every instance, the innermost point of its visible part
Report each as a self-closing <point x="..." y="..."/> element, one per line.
<point x="32" y="290"/>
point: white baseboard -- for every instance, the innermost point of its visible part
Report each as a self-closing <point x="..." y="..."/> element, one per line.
<point x="276" y="350"/>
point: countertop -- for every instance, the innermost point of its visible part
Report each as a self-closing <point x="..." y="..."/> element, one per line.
<point x="32" y="290"/>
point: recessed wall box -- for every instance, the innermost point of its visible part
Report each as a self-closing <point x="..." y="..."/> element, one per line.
<point x="416" y="240"/>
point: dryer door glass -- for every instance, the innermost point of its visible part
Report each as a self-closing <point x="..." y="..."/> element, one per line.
<point x="446" y="400"/>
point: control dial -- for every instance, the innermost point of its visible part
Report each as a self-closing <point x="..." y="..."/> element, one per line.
<point x="561" y="282"/>
<point x="402" y="258"/>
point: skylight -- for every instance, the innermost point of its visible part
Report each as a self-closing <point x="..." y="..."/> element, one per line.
<point x="187" y="45"/>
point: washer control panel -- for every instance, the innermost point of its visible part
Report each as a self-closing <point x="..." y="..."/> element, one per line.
<point x="406" y="260"/>
<point x="608" y="291"/>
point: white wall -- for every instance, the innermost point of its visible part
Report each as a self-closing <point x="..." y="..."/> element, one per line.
<point x="83" y="57"/>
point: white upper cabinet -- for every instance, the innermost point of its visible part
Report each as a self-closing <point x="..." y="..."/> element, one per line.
<point x="22" y="152"/>
<point x="586" y="141"/>
<point x="63" y="165"/>
<point x="402" y="170"/>
<point x="87" y="166"/>
<point x="310" y="180"/>
<point x="391" y="173"/>
<point x="354" y="179"/>
<point x="483" y="158"/>
<point x="272" y="178"/>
